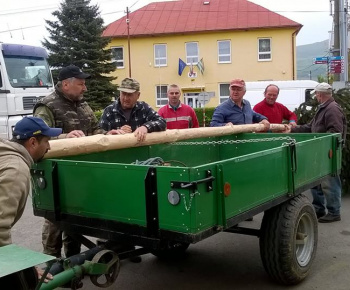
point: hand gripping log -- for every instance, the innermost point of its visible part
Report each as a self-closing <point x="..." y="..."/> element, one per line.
<point x="98" y="143"/>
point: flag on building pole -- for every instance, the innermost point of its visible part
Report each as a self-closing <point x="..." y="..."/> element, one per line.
<point x="200" y="66"/>
<point x="182" y="66"/>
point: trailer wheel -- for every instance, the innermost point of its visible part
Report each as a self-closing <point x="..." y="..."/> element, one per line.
<point x="112" y="261"/>
<point x="288" y="240"/>
<point x="171" y="250"/>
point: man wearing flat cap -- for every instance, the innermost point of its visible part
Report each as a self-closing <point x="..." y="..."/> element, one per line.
<point x="29" y="144"/>
<point x="127" y="114"/>
<point x="65" y="108"/>
<point x="330" y="118"/>
<point x="236" y="110"/>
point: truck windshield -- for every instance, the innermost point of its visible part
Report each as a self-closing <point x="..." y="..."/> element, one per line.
<point x="28" y="71"/>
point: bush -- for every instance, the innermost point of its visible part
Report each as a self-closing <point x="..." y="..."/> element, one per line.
<point x="305" y="115"/>
<point x="208" y="115"/>
<point x="98" y="114"/>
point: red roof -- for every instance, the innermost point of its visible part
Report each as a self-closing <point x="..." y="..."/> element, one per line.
<point x="193" y="16"/>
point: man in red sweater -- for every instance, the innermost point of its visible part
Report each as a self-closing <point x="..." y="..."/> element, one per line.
<point x="275" y="112"/>
<point x="176" y="114"/>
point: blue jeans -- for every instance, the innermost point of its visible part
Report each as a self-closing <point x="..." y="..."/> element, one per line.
<point x="327" y="195"/>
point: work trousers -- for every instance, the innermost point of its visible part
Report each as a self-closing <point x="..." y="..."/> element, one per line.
<point x="52" y="241"/>
<point x="327" y="195"/>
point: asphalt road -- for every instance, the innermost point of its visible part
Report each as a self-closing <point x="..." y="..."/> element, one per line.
<point x="224" y="261"/>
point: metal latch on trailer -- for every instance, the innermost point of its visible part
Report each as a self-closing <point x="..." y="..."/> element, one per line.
<point x="194" y="184"/>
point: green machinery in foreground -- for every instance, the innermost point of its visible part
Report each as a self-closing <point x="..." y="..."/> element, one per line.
<point x="166" y="196"/>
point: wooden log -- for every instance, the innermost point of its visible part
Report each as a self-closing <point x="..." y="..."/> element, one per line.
<point x="98" y="143"/>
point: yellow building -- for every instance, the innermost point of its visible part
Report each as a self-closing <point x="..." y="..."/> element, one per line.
<point x="226" y="38"/>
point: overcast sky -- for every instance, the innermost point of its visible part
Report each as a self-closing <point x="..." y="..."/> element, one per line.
<point x="23" y="19"/>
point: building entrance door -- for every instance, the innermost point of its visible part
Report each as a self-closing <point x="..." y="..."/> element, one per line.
<point x="191" y="99"/>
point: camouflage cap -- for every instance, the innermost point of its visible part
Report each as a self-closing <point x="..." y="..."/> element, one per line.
<point x="129" y="85"/>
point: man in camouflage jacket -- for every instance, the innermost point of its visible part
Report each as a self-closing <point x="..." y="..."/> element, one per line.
<point x="66" y="109"/>
<point x="127" y="114"/>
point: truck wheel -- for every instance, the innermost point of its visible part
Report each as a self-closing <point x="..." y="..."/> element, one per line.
<point x="288" y="240"/>
<point x="171" y="250"/>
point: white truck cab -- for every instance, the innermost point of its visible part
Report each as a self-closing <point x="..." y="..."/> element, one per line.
<point x="25" y="76"/>
<point x="292" y="93"/>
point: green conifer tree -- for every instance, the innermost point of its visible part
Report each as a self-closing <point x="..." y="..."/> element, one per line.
<point x="76" y="38"/>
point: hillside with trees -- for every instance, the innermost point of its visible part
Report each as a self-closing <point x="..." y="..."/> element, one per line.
<point x="305" y="57"/>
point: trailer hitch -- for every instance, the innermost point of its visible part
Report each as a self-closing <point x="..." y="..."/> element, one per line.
<point x="194" y="184"/>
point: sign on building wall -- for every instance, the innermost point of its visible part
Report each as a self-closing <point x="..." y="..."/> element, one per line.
<point x="192" y="74"/>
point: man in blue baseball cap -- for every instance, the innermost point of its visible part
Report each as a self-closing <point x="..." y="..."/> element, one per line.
<point x="34" y="135"/>
<point x="29" y="144"/>
<point x="33" y="126"/>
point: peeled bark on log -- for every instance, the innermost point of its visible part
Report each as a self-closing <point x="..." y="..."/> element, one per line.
<point x="98" y="143"/>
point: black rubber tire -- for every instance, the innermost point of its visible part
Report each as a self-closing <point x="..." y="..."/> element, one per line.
<point x="288" y="241"/>
<point x="171" y="250"/>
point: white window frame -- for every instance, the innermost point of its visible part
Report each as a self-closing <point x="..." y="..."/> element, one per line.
<point x="224" y="54"/>
<point x="160" y="58"/>
<point x="118" y="61"/>
<point x="263" y="53"/>
<point x="223" y="97"/>
<point x="193" y="96"/>
<point x="192" y="58"/>
<point x="161" y="99"/>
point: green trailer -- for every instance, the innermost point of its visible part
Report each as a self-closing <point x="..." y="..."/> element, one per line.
<point x="164" y="197"/>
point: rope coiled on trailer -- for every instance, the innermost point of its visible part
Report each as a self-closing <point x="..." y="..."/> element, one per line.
<point x="150" y="161"/>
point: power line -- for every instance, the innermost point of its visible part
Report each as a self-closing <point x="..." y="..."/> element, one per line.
<point x="134" y="4"/>
<point x="77" y="5"/>
<point x="34" y="9"/>
<point x="27" y="9"/>
<point x="21" y="28"/>
<point x="26" y="27"/>
<point x="113" y="12"/>
<point x="51" y="7"/>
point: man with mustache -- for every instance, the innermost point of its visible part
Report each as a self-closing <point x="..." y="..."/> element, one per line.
<point x="66" y="108"/>
<point x="128" y="115"/>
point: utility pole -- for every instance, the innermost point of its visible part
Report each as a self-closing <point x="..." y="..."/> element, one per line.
<point x="128" y="29"/>
<point x="343" y="35"/>
<point x="336" y="47"/>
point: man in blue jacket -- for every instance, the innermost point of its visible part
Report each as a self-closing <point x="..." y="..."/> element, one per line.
<point x="236" y="110"/>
